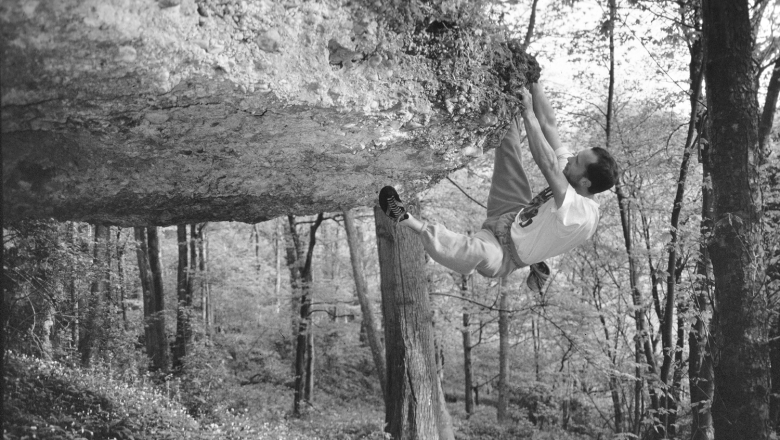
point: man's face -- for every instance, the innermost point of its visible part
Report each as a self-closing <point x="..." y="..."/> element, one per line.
<point x="577" y="166"/>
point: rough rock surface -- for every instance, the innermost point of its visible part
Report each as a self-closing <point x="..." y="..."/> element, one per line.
<point x="136" y="112"/>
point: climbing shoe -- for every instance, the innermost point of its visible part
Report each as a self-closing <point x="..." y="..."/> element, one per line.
<point x="538" y="276"/>
<point x="391" y="204"/>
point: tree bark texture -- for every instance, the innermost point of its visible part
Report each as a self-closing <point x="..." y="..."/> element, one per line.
<point x="96" y="305"/>
<point x="700" y="367"/>
<point x="144" y="271"/>
<point x="74" y="296"/>
<point x="304" y="346"/>
<point x="205" y="287"/>
<point x="278" y="241"/>
<point x="184" y="300"/>
<point x="614" y="384"/>
<point x="503" y="354"/>
<point x="467" y="346"/>
<point x="361" y="288"/>
<point x="308" y="390"/>
<point x="120" y="261"/>
<point x="741" y="402"/>
<point x="642" y="342"/>
<point x="642" y="335"/>
<point x="414" y="409"/>
<point x="294" y="255"/>
<point x="192" y="274"/>
<point x="157" y="316"/>
<point x="768" y="113"/>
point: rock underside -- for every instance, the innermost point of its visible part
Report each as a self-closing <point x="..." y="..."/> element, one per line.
<point x="141" y="112"/>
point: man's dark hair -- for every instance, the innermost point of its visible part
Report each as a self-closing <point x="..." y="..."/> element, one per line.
<point x="603" y="173"/>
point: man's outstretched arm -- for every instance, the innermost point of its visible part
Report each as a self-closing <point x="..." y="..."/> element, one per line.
<point x="546" y="116"/>
<point x="542" y="151"/>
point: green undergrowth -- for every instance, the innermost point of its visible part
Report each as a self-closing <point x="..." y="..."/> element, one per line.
<point x="49" y="400"/>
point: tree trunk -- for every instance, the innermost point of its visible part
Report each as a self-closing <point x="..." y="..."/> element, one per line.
<point x="294" y="254"/>
<point x="120" y="259"/>
<point x="308" y="389"/>
<point x="614" y="385"/>
<point x="642" y="338"/>
<point x="414" y="408"/>
<point x="157" y="316"/>
<point x="74" y="296"/>
<point x="255" y="238"/>
<point x="278" y="240"/>
<point x="205" y="287"/>
<point x="643" y="343"/>
<point x="768" y="113"/>
<point x="536" y="340"/>
<point x="741" y="406"/>
<point x="97" y="292"/>
<point x="82" y="306"/>
<point x="192" y="274"/>
<point x="304" y="346"/>
<point x="467" y="365"/>
<point x="108" y="273"/>
<point x="144" y="271"/>
<point x="670" y="348"/>
<point x="611" y="87"/>
<point x="503" y="354"/>
<point x="700" y="367"/>
<point x="183" y="331"/>
<point x="44" y="332"/>
<point x="361" y="288"/>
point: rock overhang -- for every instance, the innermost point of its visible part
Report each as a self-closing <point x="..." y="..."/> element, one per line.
<point x="139" y="112"/>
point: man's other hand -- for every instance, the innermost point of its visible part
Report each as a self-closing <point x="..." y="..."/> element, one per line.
<point x="527" y="101"/>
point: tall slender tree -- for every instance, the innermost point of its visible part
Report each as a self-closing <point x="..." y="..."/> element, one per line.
<point x="361" y="288"/>
<point x="91" y="330"/>
<point x="161" y="357"/>
<point x="468" y="379"/>
<point x="671" y="367"/>
<point x="205" y="284"/>
<point x="278" y="241"/>
<point x="184" y="301"/>
<point x="700" y="367"/>
<point x="192" y="273"/>
<point x="304" y="345"/>
<point x="120" y="261"/>
<point x="144" y="272"/>
<point x="502" y="412"/>
<point x="643" y="348"/>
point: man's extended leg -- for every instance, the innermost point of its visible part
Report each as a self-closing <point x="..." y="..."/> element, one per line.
<point x="458" y="252"/>
<point x="509" y="187"/>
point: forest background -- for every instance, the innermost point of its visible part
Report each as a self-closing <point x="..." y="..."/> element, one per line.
<point x="88" y="352"/>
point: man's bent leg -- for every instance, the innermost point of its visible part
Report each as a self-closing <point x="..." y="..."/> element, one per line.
<point x="509" y="188"/>
<point x="546" y="116"/>
<point x="458" y="252"/>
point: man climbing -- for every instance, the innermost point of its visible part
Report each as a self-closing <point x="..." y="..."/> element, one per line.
<point x="520" y="230"/>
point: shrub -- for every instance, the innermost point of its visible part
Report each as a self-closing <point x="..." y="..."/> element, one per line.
<point x="482" y="425"/>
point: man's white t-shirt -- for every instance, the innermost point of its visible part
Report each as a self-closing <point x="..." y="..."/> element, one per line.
<point x="554" y="230"/>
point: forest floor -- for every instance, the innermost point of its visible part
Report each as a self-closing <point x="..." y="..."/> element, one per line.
<point x="51" y="400"/>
